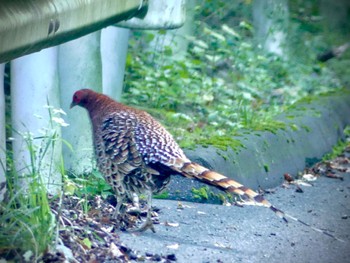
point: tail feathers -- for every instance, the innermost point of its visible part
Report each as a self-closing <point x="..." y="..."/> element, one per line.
<point x="312" y="227"/>
<point x="194" y="170"/>
<point x="250" y="197"/>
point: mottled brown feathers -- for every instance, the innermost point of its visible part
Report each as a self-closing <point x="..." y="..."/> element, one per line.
<point x="131" y="143"/>
<point x="137" y="155"/>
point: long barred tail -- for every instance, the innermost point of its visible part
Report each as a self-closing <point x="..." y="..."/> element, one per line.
<point x="194" y="170"/>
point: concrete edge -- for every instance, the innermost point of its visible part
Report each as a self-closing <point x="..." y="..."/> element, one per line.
<point x="266" y="156"/>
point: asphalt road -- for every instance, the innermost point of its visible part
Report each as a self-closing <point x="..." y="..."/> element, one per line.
<point x="216" y="233"/>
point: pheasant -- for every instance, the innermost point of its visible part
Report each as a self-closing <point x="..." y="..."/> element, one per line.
<point x="137" y="155"/>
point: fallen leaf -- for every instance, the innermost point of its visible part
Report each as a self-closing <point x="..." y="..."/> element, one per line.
<point x="334" y="176"/>
<point x="218" y="244"/>
<point x="288" y="177"/>
<point x="173" y="246"/>
<point x="86" y="243"/>
<point x="171" y="224"/>
<point x="309" y="177"/>
<point x="302" y="183"/>
<point x="114" y="251"/>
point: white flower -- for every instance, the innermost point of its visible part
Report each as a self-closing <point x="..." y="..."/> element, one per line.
<point x="60" y="121"/>
<point x="60" y="111"/>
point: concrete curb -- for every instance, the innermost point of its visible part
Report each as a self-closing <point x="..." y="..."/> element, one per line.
<point x="315" y="127"/>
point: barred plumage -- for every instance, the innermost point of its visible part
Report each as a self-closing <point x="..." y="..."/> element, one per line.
<point x="137" y="155"/>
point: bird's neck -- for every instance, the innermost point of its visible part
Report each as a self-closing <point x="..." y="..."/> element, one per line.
<point x="101" y="106"/>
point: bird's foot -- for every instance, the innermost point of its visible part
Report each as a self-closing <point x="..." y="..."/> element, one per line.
<point x="148" y="224"/>
<point x="134" y="211"/>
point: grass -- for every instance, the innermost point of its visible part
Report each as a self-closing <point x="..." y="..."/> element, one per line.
<point x="27" y="225"/>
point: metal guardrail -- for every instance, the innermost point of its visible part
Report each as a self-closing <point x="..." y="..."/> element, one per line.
<point x="28" y="26"/>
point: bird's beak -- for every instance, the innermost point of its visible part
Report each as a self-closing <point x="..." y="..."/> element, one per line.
<point x="72" y="104"/>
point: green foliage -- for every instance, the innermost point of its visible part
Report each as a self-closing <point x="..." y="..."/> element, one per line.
<point x="204" y="194"/>
<point x="27" y="224"/>
<point x="336" y="151"/>
<point x="89" y="184"/>
<point x="339" y="147"/>
<point x="201" y="193"/>
<point x="163" y="195"/>
<point x="86" y="187"/>
<point x="224" y="82"/>
<point x="222" y="142"/>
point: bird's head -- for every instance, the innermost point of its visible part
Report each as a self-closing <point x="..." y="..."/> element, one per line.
<point x="80" y="98"/>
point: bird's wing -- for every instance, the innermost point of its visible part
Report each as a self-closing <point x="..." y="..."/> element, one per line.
<point x="116" y="148"/>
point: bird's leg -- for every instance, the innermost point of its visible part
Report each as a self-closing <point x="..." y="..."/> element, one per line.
<point x="117" y="211"/>
<point x="135" y="209"/>
<point x="148" y="223"/>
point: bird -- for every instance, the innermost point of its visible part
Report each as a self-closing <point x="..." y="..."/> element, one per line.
<point x="137" y="155"/>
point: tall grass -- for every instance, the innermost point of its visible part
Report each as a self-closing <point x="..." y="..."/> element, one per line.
<point x="27" y="225"/>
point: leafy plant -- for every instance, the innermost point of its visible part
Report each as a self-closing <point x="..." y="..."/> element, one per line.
<point x="224" y="82"/>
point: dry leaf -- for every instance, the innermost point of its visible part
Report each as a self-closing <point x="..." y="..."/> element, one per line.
<point x="309" y="177"/>
<point x="114" y="251"/>
<point x="288" y="177"/>
<point x="171" y="224"/>
<point x="173" y="246"/>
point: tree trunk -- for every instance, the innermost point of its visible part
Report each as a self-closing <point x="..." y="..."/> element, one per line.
<point x="34" y="85"/>
<point x="270" y="20"/>
<point x="79" y="67"/>
<point x="176" y="38"/>
<point x="114" y="48"/>
<point x="2" y="135"/>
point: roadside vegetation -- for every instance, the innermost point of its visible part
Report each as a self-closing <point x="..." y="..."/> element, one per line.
<point x="225" y="82"/>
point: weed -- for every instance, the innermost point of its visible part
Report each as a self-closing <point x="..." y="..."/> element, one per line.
<point x="26" y="222"/>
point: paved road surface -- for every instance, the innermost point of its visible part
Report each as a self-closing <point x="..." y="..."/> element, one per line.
<point x="214" y="233"/>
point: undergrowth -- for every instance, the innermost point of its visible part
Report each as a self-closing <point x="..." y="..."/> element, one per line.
<point x="225" y="81"/>
<point x="27" y="225"/>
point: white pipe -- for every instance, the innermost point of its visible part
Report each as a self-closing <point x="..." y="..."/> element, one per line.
<point x="34" y="84"/>
<point x="114" y="48"/>
<point x="79" y="67"/>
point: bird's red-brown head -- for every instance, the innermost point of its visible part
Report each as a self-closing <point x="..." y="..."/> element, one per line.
<point x="81" y="98"/>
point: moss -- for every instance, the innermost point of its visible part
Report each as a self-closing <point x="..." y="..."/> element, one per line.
<point x="306" y="128"/>
<point x="294" y="127"/>
<point x="189" y="132"/>
<point x="290" y="117"/>
<point x="271" y="125"/>
<point x="336" y="151"/>
<point x="266" y="168"/>
<point x="163" y="195"/>
<point x="201" y="193"/>
<point x="204" y="194"/>
<point x="266" y="145"/>
<point x="300" y="104"/>
<point x="222" y="143"/>
<point x="224" y="156"/>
